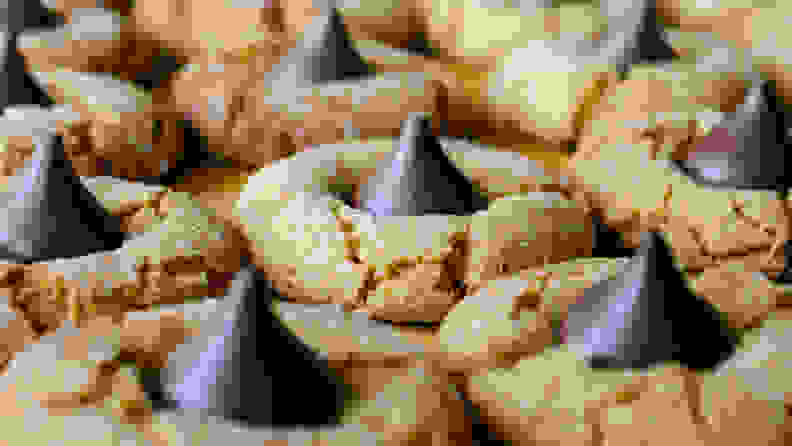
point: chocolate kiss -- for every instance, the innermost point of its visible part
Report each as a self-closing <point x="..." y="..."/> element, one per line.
<point x="19" y="15"/>
<point x="746" y="150"/>
<point x="420" y="179"/>
<point x="607" y="242"/>
<point x="18" y="87"/>
<point x="246" y="366"/>
<point x="651" y="45"/>
<point x="647" y="315"/>
<point x="324" y="54"/>
<point x="48" y="213"/>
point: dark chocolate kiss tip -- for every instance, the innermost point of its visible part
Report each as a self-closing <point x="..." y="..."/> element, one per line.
<point x="646" y="315"/>
<point x="745" y="151"/>
<point x="246" y="366"/>
<point x="419" y="179"/>
<point x="324" y="54"/>
<point x="18" y="87"/>
<point x="47" y="212"/>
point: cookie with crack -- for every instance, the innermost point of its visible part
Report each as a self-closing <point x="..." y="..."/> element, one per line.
<point x="515" y="316"/>
<point x="294" y="240"/>
<point x="495" y="326"/>
<point x="328" y="172"/>
<point x="125" y="130"/>
<point x="110" y="220"/>
<point x="169" y="254"/>
<point x="351" y="339"/>
<point x="668" y="108"/>
<point x="525" y="230"/>
<point x="67" y="386"/>
<point x="561" y="401"/>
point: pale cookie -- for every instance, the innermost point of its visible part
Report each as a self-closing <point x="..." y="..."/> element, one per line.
<point x="415" y="405"/>
<point x="384" y="241"/>
<point x="70" y="427"/>
<point x="187" y="428"/>
<point x="623" y="197"/>
<point x="347" y="339"/>
<point x="188" y="251"/>
<point x="495" y="327"/>
<point x="552" y="397"/>
<point x="524" y="98"/>
<point x="526" y="230"/>
<point x="294" y="241"/>
<point x="216" y="189"/>
<point x="479" y="33"/>
<point x="67" y="368"/>
<point x="506" y="170"/>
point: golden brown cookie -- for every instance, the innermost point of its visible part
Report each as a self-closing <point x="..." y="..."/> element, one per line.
<point x="526" y="230"/>
<point x="16" y="331"/>
<point x="325" y="114"/>
<point x="135" y="133"/>
<point x="665" y="109"/>
<point x="429" y="411"/>
<point x="663" y="412"/>
<point x="495" y="327"/>
<point x="148" y="336"/>
<point x="207" y="92"/>
<point x="186" y="251"/>
<point x="548" y="398"/>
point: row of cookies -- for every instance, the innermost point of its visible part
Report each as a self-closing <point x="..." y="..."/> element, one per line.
<point x="228" y="80"/>
<point x="164" y="246"/>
